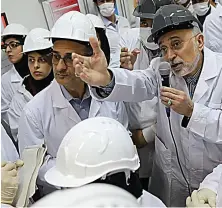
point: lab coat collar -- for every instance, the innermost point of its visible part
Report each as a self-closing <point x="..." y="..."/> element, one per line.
<point x="210" y="70"/>
<point x="15" y="77"/>
<point x="22" y="89"/>
<point x="59" y="101"/>
<point x="107" y="22"/>
<point x="219" y="7"/>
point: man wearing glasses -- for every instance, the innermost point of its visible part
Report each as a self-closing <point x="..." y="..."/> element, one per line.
<point x="67" y="101"/>
<point x="13" y="37"/>
<point x="188" y="142"/>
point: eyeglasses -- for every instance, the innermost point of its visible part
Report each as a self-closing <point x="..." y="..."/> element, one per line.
<point x="12" y="45"/>
<point x="67" y="59"/>
<point x="175" y="46"/>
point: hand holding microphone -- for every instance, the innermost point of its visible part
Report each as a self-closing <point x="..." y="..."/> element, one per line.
<point x="172" y="98"/>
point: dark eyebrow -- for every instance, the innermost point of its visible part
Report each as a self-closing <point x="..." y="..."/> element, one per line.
<point x="173" y="37"/>
<point x="55" y="51"/>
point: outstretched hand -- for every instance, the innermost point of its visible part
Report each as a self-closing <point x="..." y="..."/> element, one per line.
<point x="92" y="70"/>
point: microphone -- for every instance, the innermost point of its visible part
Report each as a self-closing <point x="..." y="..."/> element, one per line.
<point x="164" y="70"/>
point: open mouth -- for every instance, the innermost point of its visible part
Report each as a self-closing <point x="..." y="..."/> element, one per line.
<point x="176" y="67"/>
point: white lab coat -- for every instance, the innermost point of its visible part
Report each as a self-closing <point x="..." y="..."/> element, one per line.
<point x="149" y="200"/>
<point x="8" y="150"/>
<point x="6" y="65"/>
<point x="49" y="116"/>
<point x="19" y="100"/>
<point x="113" y="33"/>
<point x="131" y="40"/>
<point x="199" y="145"/>
<point x="212" y="30"/>
<point x="11" y="81"/>
<point x="142" y="115"/>
<point x="214" y="182"/>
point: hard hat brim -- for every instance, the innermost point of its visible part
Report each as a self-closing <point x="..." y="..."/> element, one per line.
<point x="55" y="178"/>
<point x="136" y="13"/>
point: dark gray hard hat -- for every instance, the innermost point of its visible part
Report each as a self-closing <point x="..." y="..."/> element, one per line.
<point x="172" y="17"/>
<point x="148" y="8"/>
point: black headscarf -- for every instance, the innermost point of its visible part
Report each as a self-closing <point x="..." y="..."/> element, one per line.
<point x="22" y="66"/>
<point x="35" y="86"/>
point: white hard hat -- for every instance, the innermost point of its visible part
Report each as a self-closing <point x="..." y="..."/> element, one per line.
<point x="91" y="195"/>
<point x="35" y="40"/>
<point x="97" y="22"/>
<point x="74" y="26"/>
<point x="92" y="149"/>
<point x="15" y="29"/>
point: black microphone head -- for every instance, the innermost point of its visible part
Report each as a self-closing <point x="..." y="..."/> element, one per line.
<point x="164" y="68"/>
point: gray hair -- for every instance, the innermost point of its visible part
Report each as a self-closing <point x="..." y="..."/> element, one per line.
<point x="196" y="29"/>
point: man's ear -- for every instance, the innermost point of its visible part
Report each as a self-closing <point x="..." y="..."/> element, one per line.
<point x="200" y="41"/>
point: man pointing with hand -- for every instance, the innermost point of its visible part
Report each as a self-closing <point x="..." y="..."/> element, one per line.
<point x="190" y="146"/>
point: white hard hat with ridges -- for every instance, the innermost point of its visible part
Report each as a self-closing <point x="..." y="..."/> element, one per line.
<point x="92" y="149"/>
<point x="73" y="26"/>
<point x="36" y="40"/>
<point x="15" y="29"/>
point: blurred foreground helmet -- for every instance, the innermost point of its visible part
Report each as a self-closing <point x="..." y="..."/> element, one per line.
<point x="91" y="150"/>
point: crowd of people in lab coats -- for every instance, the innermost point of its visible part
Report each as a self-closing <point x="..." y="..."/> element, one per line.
<point x="139" y="109"/>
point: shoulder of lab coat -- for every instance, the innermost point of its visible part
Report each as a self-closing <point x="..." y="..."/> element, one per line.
<point x="149" y="200"/>
<point x="10" y="82"/>
<point x="206" y="121"/>
<point x="213" y="179"/>
<point x="122" y="22"/>
<point x="19" y="100"/>
<point x="8" y="150"/>
<point x="30" y="130"/>
<point x="130" y="39"/>
<point x="133" y="86"/>
<point x="212" y="30"/>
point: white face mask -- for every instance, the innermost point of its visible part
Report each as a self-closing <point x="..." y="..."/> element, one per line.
<point x="107" y="9"/>
<point x="201" y="8"/>
<point x="145" y="32"/>
<point x="181" y="2"/>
